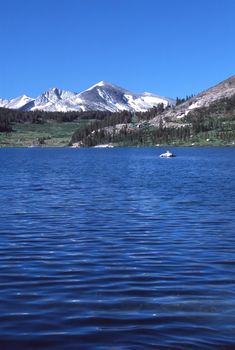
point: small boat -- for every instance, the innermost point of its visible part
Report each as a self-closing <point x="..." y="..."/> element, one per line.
<point x="167" y="155"/>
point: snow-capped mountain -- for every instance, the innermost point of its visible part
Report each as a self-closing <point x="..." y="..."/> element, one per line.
<point x="54" y="100"/>
<point x="16" y="103"/>
<point x="102" y="96"/>
<point x="106" y="96"/>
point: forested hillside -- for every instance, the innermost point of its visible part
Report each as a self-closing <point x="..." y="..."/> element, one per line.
<point x="207" y="124"/>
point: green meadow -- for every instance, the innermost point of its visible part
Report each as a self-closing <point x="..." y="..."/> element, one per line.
<point x="50" y="134"/>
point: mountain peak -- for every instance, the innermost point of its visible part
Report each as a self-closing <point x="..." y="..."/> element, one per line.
<point x="54" y="90"/>
<point x="101" y="83"/>
<point x="24" y="96"/>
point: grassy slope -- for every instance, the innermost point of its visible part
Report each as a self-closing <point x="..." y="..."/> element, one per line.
<point x="26" y="134"/>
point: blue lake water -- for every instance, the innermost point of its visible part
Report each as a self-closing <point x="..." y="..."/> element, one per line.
<point x="117" y="249"/>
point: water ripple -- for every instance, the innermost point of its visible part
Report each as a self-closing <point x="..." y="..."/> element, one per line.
<point x="117" y="249"/>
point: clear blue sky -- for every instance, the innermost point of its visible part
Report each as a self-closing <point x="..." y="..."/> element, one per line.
<point x="169" y="47"/>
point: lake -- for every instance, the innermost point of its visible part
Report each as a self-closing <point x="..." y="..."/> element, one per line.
<point x="117" y="249"/>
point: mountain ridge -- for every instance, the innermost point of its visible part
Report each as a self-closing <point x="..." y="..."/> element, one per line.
<point x="102" y="96"/>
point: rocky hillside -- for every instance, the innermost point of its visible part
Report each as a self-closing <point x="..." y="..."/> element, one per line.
<point x="222" y="91"/>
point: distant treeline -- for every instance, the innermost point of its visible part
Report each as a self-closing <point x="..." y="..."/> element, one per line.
<point x="129" y="128"/>
<point x="178" y="100"/>
<point x="94" y="132"/>
<point x="143" y="136"/>
<point x="8" y="117"/>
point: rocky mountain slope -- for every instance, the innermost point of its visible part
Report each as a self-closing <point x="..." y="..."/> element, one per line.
<point x="223" y="90"/>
